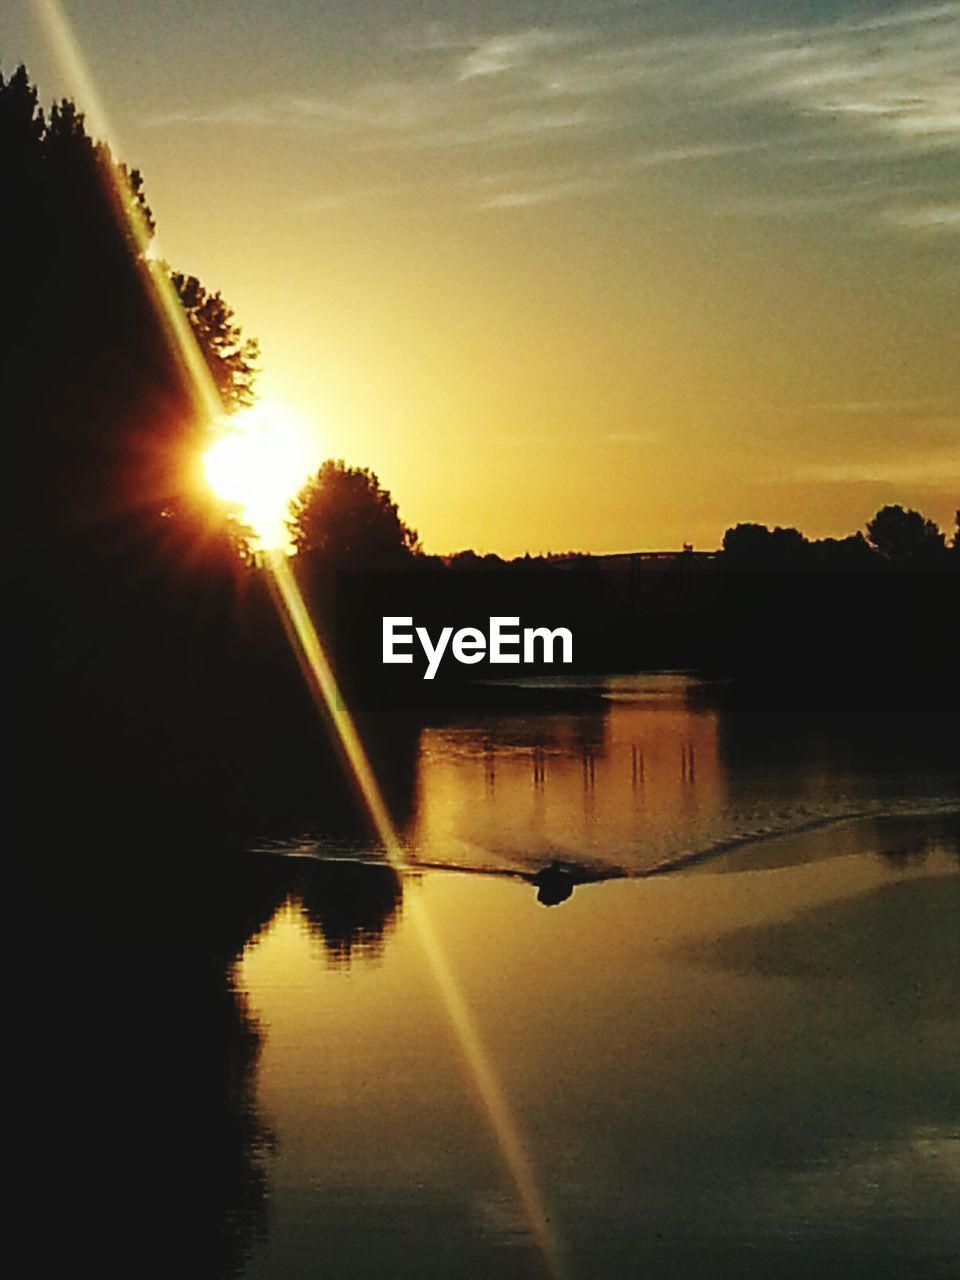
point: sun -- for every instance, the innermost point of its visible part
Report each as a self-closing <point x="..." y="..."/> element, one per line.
<point x="261" y="461"/>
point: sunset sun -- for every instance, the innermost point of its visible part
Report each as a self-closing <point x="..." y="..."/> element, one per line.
<point x="259" y="463"/>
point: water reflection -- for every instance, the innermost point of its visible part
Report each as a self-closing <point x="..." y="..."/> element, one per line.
<point x="660" y="775"/>
<point x="603" y="792"/>
<point x="908" y="849"/>
<point x="713" y="1069"/>
<point x="349" y="907"/>
<point x="706" y="1062"/>
<point x="154" y="1142"/>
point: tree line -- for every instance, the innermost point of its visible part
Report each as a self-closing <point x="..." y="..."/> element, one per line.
<point x="344" y="519"/>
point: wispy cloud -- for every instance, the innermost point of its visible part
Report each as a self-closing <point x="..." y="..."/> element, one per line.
<point x="895" y="75"/>
<point x="518" y="124"/>
<point x="889" y="408"/>
<point x="390" y="105"/>
<point x="937" y="218"/>
<point x="685" y="153"/>
<point x="415" y="116"/>
<point x="925" y="450"/>
<point x="875" y="91"/>
<point x="804" y="204"/>
<point x="938" y="471"/>
<point x="499" y="54"/>
<point x="525" y="197"/>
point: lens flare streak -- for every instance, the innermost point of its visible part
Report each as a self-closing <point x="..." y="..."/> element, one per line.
<point x="317" y="671"/>
<point x="326" y="694"/>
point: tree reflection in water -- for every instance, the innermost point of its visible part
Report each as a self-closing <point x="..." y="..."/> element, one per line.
<point x="350" y="907"/>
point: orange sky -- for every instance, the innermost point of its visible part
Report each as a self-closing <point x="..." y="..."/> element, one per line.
<point x="607" y="282"/>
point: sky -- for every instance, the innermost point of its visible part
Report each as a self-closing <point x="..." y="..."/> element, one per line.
<point x="567" y="276"/>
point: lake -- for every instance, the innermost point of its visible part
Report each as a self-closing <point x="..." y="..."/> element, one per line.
<point x="729" y="1047"/>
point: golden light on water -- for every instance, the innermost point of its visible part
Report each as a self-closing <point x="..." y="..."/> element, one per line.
<point x="326" y="694"/>
<point x="260" y="462"/>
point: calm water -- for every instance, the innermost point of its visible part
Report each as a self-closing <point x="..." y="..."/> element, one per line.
<point x="658" y="777"/>
<point x="735" y="1054"/>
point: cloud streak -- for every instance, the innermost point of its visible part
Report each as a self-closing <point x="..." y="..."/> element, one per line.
<point x="939" y="218"/>
<point x="508" y="53"/>
<point x="938" y="471"/>
<point x="878" y="91"/>
<point x="895" y="77"/>
<point x="525" y="197"/>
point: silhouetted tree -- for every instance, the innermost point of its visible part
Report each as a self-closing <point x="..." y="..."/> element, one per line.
<point x="852" y="552"/>
<point x="111" y="427"/>
<point x="470" y="560"/>
<point x="149" y="648"/>
<point x="343" y="518"/>
<point x="230" y="357"/>
<point x="905" y="538"/>
<point x="756" y="546"/>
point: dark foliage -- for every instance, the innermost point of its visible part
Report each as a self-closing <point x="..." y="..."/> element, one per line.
<point x="757" y="546"/>
<point x="344" y="519"/>
<point x="230" y="357"/>
<point x="157" y="676"/>
<point x="111" y="431"/>
<point x="906" y="538"/>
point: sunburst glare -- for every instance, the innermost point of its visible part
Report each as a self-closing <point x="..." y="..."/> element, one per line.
<point x="261" y="460"/>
